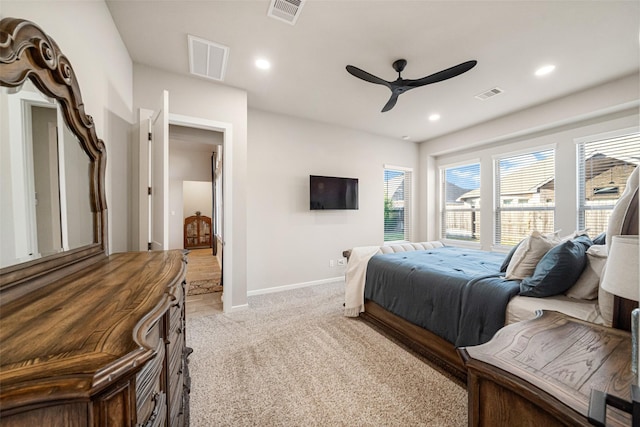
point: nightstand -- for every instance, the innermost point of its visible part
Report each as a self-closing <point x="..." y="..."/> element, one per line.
<point x="540" y="372"/>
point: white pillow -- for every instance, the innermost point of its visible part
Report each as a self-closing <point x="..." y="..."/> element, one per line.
<point x="605" y="304"/>
<point x="527" y="255"/>
<point x="586" y="287"/>
<point x="619" y="213"/>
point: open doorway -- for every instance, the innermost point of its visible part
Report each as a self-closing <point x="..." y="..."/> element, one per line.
<point x="154" y="187"/>
<point x="195" y="212"/>
<point x="204" y="275"/>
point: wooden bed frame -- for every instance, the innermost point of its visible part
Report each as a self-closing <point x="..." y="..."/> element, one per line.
<point x="442" y="353"/>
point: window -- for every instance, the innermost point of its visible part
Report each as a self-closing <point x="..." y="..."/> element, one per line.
<point x="397" y="204"/>
<point x="460" y="203"/>
<point x="603" y="168"/>
<point x="529" y="179"/>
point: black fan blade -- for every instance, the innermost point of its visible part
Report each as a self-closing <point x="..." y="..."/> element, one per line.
<point x="361" y="74"/>
<point x="391" y="102"/>
<point x="442" y="75"/>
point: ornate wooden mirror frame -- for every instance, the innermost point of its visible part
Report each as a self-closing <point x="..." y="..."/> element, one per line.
<point x="27" y="52"/>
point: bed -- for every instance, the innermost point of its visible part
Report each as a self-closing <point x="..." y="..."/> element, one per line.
<point x="434" y="298"/>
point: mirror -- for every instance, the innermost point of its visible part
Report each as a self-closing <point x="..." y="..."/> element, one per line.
<point x="45" y="201"/>
<point x="53" y="213"/>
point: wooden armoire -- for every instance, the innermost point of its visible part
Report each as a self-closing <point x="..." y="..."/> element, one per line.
<point x="197" y="231"/>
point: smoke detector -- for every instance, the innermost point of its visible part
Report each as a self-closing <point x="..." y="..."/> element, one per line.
<point x="285" y="10"/>
<point x="207" y="59"/>
<point x="489" y="93"/>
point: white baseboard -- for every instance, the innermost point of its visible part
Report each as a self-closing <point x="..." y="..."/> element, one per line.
<point x="237" y="308"/>
<point x="294" y="286"/>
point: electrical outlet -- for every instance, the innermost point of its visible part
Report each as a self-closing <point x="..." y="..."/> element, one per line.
<point x="342" y="262"/>
<point x="332" y="263"/>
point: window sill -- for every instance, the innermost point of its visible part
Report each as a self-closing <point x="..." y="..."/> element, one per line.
<point x="461" y="243"/>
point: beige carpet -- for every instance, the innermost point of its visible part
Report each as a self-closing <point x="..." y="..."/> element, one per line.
<point x="292" y="359"/>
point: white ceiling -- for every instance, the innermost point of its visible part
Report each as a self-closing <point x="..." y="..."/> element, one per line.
<point x="590" y="42"/>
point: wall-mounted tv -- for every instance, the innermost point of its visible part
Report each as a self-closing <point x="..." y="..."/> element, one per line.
<point x="327" y="192"/>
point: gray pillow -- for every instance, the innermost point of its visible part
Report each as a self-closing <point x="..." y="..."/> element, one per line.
<point x="600" y="239"/>
<point x="557" y="271"/>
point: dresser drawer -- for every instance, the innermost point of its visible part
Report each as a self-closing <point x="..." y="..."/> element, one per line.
<point x="175" y="361"/>
<point x="178" y="293"/>
<point x="175" y="318"/>
<point x="150" y="383"/>
<point x="158" y="414"/>
<point x="177" y="398"/>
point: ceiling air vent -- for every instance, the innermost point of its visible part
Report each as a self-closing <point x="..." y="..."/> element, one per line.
<point x="285" y="10"/>
<point x="489" y="93"/>
<point x="207" y="59"/>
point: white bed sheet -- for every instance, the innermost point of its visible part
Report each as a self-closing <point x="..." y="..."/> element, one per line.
<point x="524" y="308"/>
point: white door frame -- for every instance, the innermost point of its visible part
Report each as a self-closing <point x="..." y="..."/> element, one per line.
<point x="227" y="222"/>
<point x="24" y="210"/>
<point x="144" y="174"/>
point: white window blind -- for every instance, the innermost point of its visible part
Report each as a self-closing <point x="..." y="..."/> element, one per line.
<point x="525" y="195"/>
<point x="460" y="202"/>
<point x="603" y="168"/>
<point x="397" y="204"/>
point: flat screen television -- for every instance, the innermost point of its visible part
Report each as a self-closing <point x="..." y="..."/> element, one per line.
<point x="327" y="192"/>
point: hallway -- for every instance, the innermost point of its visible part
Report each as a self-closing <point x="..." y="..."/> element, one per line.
<point x="204" y="292"/>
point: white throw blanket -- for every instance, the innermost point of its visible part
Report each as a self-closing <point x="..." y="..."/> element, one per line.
<point x="355" y="279"/>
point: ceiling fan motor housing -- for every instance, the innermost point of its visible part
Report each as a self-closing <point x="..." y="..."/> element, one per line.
<point x="399" y="65"/>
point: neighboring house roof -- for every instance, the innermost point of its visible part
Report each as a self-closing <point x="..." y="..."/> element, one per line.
<point x="532" y="178"/>
<point x="453" y="192"/>
<point x="598" y="164"/>
<point x="528" y="179"/>
<point x="606" y="177"/>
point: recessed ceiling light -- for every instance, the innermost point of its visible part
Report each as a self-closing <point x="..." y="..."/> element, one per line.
<point x="406" y="137"/>
<point x="543" y="71"/>
<point x="434" y="117"/>
<point x="263" y="64"/>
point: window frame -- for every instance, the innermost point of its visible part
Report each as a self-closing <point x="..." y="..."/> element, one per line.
<point x="496" y="158"/>
<point x="581" y="208"/>
<point x="408" y="229"/>
<point x="442" y="203"/>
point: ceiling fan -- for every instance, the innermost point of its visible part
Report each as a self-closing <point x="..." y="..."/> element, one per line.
<point x="400" y="85"/>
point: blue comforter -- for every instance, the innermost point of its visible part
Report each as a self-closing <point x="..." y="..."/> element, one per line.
<point x="455" y="293"/>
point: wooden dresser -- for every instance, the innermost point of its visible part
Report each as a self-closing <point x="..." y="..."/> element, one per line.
<point x="540" y="372"/>
<point x="104" y="346"/>
<point x="86" y="339"/>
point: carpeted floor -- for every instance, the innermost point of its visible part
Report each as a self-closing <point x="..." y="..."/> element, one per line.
<point x="292" y="359"/>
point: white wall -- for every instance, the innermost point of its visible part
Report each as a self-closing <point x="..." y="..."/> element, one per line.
<point x="287" y="244"/>
<point x="87" y="35"/>
<point x="605" y="108"/>
<point x="197" y="197"/>
<point x="202" y="99"/>
<point x="190" y="166"/>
